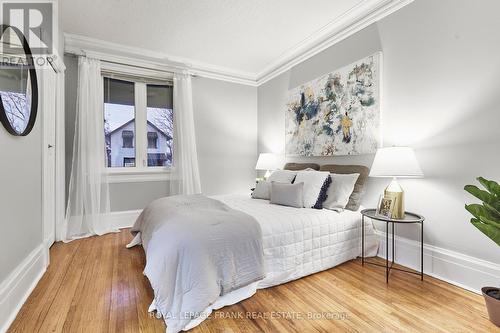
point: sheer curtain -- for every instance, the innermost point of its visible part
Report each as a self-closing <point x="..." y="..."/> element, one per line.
<point x="88" y="202"/>
<point x="185" y="175"/>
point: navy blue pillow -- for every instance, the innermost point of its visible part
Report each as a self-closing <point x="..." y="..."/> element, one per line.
<point x="322" y="194"/>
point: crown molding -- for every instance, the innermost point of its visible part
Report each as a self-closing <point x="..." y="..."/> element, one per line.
<point x="357" y="18"/>
<point x="122" y="54"/>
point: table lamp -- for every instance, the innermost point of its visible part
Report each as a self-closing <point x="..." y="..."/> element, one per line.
<point x="396" y="162"/>
<point x="268" y="162"/>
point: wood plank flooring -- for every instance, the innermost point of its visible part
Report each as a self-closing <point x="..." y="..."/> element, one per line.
<point x="96" y="285"/>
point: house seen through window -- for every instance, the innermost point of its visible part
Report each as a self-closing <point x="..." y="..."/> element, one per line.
<point x="138" y="136"/>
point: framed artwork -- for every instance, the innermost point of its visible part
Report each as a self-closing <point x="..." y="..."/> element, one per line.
<point x="337" y="113"/>
<point x="385" y="206"/>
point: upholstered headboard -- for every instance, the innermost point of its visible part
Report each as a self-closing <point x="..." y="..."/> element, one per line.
<point x="359" y="187"/>
<point x="301" y="166"/>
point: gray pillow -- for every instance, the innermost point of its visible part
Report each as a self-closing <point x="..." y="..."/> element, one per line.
<point x="262" y="190"/>
<point x="287" y="194"/>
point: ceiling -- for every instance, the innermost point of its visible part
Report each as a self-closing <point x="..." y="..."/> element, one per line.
<point x="246" y="36"/>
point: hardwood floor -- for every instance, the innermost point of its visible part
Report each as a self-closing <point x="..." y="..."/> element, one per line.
<point x="96" y="285"/>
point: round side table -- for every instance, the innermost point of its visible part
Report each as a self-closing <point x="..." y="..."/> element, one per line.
<point x="408" y="219"/>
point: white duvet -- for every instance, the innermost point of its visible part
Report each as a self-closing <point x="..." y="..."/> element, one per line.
<point x="296" y="242"/>
<point x="299" y="242"/>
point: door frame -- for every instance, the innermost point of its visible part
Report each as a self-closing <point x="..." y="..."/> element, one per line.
<point x="59" y="68"/>
<point x="60" y="152"/>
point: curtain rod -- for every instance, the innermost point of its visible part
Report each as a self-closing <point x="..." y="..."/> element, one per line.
<point x="83" y="53"/>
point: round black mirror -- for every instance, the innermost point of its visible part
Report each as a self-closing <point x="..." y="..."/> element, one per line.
<point x="18" y="83"/>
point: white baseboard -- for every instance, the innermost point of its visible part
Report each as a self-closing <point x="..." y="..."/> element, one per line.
<point x="16" y="288"/>
<point x="453" y="267"/>
<point x="124" y="219"/>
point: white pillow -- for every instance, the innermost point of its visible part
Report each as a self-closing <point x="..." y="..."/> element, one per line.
<point x="313" y="183"/>
<point x="340" y="190"/>
<point x="282" y="176"/>
<point x="262" y="190"/>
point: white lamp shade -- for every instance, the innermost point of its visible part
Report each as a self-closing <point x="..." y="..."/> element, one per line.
<point x="396" y="162"/>
<point x="267" y="161"/>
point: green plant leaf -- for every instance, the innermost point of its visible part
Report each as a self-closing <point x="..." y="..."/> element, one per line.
<point x="482" y="214"/>
<point x="490" y="185"/>
<point x="487" y="221"/>
<point x="475" y="209"/>
<point x="480" y="211"/>
<point x="493" y="211"/>
<point x="481" y="194"/>
<point x="490" y="231"/>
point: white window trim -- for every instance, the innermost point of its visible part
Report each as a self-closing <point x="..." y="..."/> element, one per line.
<point x="141" y="77"/>
<point x="125" y="175"/>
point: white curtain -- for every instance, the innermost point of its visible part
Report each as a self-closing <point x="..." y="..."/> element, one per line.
<point x="88" y="203"/>
<point x="185" y="175"/>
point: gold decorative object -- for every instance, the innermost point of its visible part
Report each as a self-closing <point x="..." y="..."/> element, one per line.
<point x="395" y="192"/>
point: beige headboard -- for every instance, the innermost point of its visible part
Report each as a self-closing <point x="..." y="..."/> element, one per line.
<point x="355" y="198"/>
<point x="301" y="166"/>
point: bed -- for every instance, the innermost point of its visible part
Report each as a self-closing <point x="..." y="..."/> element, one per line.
<point x="300" y="242"/>
<point x="294" y="243"/>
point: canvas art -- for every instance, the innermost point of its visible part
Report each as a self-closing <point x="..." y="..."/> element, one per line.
<point x="336" y="114"/>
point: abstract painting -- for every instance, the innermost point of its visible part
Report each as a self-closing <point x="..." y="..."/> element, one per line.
<point x="336" y="114"/>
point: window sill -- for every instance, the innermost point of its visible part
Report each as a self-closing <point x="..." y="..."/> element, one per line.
<point x="135" y="175"/>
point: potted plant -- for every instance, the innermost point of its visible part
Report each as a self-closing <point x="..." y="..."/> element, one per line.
<point x="487" y="220"/>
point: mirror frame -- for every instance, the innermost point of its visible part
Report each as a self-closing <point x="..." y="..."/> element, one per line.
<point x="34" y="86"/>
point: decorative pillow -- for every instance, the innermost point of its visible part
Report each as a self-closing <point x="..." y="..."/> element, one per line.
<point x="315" y="187"/>
<point x="282" y="176"/>
<point x="359" y="188"/>
<point x="340" y="190"/>
<point x="262" y="190"/>
<point x="287" y="194"/>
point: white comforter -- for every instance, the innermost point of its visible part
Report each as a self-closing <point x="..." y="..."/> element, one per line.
<point x="300" y="242"/>
<point x="296" y="243"/>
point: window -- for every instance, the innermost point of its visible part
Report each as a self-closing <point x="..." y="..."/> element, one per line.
<point x="119" y="122"/>
<point x="157" y="159"/>
<point x="152" y="140"/>
<point x="128" y="139"/>
<point x="129" y="161"/>
<point x="160" y="125"/>
<point x="138" y="124"/>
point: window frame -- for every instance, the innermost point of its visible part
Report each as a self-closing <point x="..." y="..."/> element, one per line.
<point x="141" y="77"/>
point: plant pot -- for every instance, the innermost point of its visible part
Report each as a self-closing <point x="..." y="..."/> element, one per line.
<point x="492" y="304"/>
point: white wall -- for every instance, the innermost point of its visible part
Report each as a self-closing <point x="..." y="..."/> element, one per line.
<point x="20" y="187"/>
<point x="23" y="253"/>
<point x="225" y="116"/>
<point x="441" y="73"/>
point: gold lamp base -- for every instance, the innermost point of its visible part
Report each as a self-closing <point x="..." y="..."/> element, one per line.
<point x="395" y="191"/>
